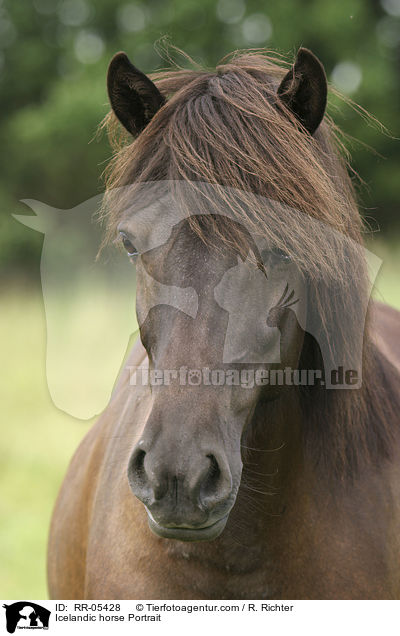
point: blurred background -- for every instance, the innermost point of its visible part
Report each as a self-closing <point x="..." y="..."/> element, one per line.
<point x="53" y="61"/>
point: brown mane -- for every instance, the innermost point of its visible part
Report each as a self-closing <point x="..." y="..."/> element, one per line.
<point x="227" y="127"/>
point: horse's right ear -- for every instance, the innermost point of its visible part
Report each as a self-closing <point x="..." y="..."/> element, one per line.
<point x="133" y="96"/>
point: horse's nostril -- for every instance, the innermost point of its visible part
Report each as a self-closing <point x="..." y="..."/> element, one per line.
<point x="214" y="464"/>
<point x="213" y="473"/>
<point x="139" y="463"/>
<point x="137" y="474"/>
<point x="145" y="481"/>
<point x="217" y="484"/>
<point x="136" y="470"/>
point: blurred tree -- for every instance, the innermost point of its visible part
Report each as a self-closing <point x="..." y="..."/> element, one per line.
<point x="53" y="61"/>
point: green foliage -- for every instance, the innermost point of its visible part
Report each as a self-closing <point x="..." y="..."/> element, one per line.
<point x="54" y="55"/>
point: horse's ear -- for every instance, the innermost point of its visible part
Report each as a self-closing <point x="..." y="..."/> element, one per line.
<point x="133" y="96"/>
<point x="304" y="90"/>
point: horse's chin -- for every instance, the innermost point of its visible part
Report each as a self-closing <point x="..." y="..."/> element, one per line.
<point x="184" y="533"/>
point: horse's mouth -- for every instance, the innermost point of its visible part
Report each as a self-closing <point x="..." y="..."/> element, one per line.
<point x="205" y="533"/>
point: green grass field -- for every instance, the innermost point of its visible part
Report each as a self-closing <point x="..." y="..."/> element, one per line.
<point x="37" y="439"/>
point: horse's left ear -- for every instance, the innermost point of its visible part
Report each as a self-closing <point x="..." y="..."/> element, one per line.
<point x="304" y="90"/>
<point x="133" y="96"/>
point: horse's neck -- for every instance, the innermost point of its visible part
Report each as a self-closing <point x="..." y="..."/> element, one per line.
<point x="284" y="485"/>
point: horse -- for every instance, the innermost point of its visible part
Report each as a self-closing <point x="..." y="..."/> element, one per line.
<point x="218" y="490"/>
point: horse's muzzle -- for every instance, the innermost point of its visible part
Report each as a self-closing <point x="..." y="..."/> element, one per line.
<point x="186" y="498"/>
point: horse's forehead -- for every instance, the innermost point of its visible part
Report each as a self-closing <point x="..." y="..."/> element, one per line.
<point x="152" y="218"/>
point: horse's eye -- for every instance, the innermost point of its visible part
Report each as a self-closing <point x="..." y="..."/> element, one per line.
<point x="128" y="245"/>
<point x="281" y="256"/>
<point x="276" y="254"/>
